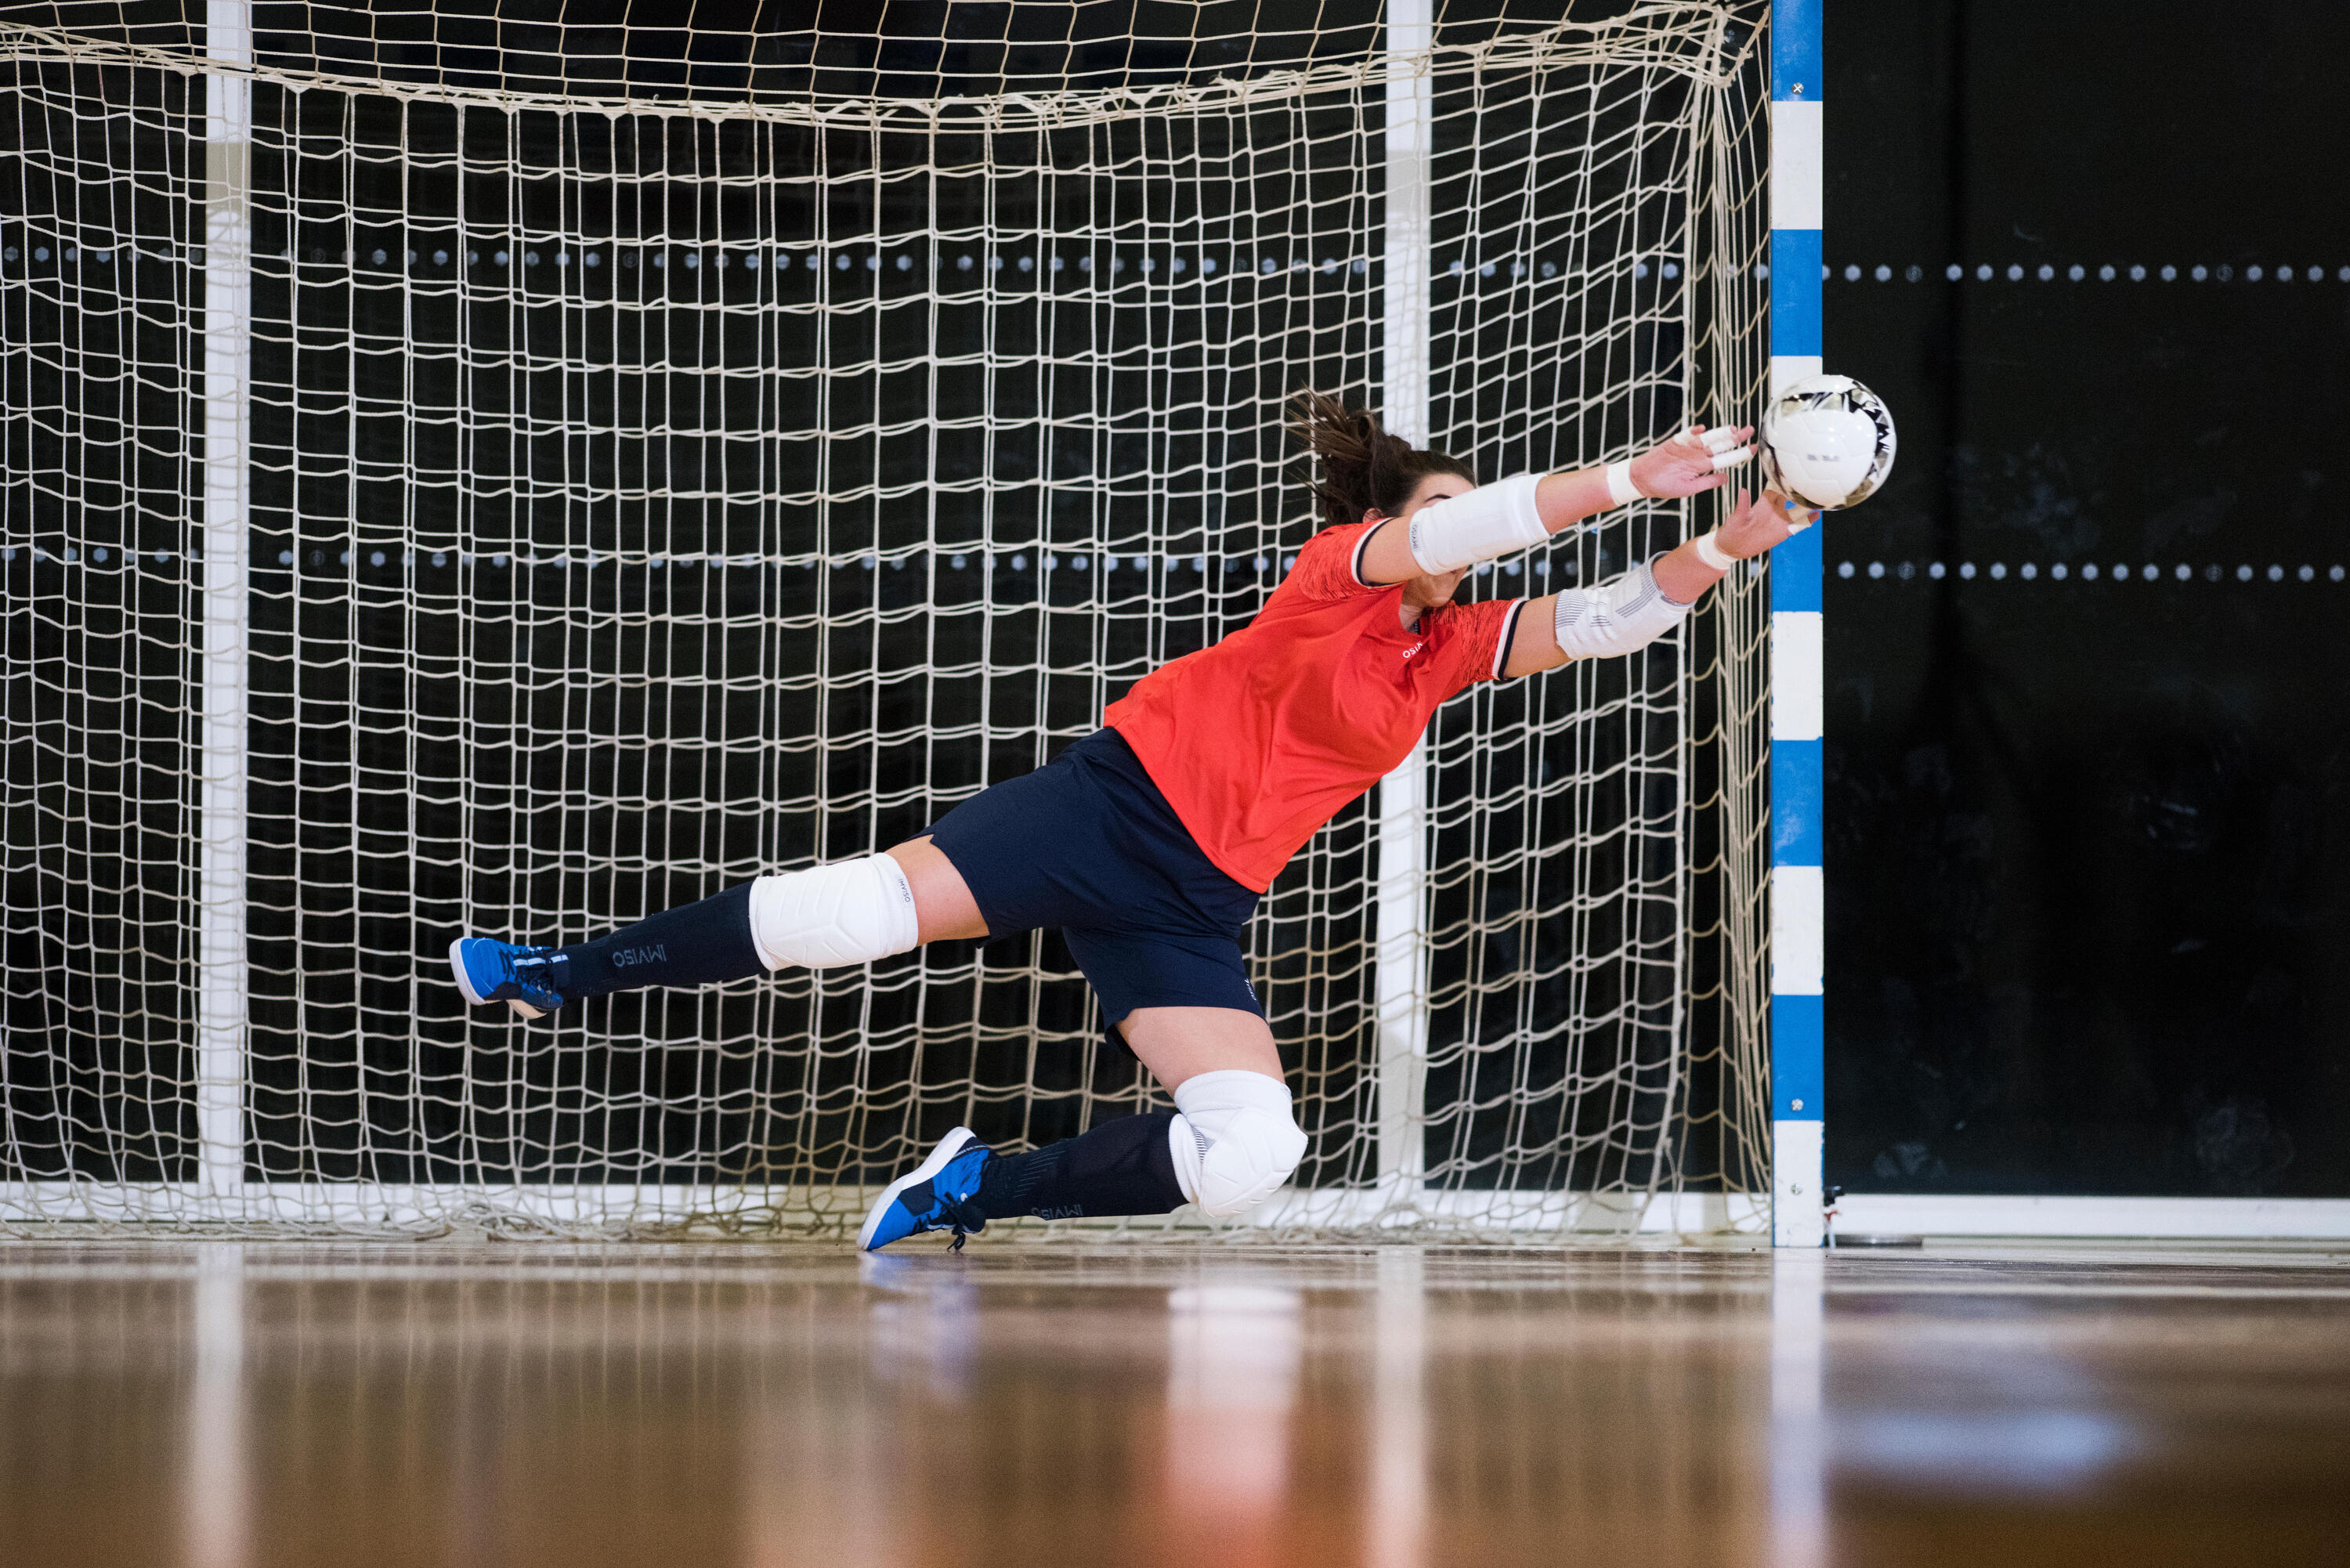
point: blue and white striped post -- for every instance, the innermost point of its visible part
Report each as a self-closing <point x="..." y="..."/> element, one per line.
<point x="1798" y="895"/>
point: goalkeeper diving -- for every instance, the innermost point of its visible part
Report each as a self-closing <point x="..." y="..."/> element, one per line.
<point x="1149" y="842"/>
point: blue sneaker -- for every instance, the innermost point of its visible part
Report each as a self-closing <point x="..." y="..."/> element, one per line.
<point x="936" y="1195"/>
<point x="520" y="977"/>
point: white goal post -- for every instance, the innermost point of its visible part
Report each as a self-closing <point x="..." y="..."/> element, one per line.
<point x="489" y="473"/>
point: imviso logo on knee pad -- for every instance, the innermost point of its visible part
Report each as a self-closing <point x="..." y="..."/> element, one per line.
<point x="652" y="952"/>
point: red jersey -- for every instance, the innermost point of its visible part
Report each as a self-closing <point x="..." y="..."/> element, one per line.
<point x="1259" y="739"/>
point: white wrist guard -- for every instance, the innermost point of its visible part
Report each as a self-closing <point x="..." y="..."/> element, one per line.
<point x="1491" y="520"/>
<point x="851" y="911"/>
<point x="1620" y="488"/>
<point x="1712" y="553"/>
<point x="1615" y="618"/>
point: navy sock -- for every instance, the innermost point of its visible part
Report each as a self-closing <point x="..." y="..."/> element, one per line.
<point x="696" y="944"/>
<point x="1123" y="1166"/>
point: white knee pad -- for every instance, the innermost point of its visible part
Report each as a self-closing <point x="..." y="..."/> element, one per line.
<point x="852" y="911"/>
<point x="1235" y="1140"/>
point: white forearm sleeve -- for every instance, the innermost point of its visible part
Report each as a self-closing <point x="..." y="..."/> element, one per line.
<point x="851" y="911"/>
<point x="1491" y="520"/>
<point x="1615" y="618"/>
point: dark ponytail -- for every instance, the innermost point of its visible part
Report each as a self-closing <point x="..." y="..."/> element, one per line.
<point x="1357" y="466"/>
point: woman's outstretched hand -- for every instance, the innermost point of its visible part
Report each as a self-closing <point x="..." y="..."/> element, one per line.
<point x="1768" y="519"/>
<point x="1696" y="461"/>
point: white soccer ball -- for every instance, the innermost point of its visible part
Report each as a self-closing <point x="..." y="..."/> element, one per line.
<point x="1828" y="440"/>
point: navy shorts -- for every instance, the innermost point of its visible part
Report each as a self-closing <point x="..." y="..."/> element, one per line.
<point x="1087" y="843"/>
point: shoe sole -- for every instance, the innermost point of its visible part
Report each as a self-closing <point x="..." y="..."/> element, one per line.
<point x="953" y="1144"/>
<point x="457" y="967"/>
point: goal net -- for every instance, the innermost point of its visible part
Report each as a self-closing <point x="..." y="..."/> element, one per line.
<point x="467" y="471"/>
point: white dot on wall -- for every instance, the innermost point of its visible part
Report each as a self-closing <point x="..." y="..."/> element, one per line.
<point x="1672" y="269"/>
<point x="2089" y="572"/>
<point x="2335" y="575"/>
<point x="2306" y="573"/>
<point x="1954" y="272"/>
<point x="1998" y="570"/>
<point x="500" y="258"/>
<point x="1019" y="563"/>
<point x="530" y="258"/>
<point x="2014" y="272"/>
<point x="1982" y="274"/>
<point x="1884" y="274"/>
<point x="2182" y="571"/>
<point x="440" y="258"/>
<point x="2276" y="574"/>
<point x="2253" y="274"/>
<point x="2076" y="271"/>
<point x="962" y="264"/>
<point x="1915" y="273"/>
<point x="2046" y="272"/>
<point x="1852" y="274"/>
<point x="2344" y="274"/>
<point x="1876" y="569"/>
<point x="1843" y="568"/>
<point x="2027" y="571"/>
<point x="2199" y="274"/>
<point x="1207" y="266"/>
<point x="1935" y="571"/>
<point x="2243" y="573"/>
<point x="1967" y="570"/>
<point x="2137" y="275"/>
<point x="2058" y="571"/>
<point x="873" y="264"/>
<point x="2105" y="273"/>
<point x="1550" y="269"/>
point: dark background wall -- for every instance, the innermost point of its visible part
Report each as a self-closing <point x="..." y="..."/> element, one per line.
<point x="2086" y="918"/>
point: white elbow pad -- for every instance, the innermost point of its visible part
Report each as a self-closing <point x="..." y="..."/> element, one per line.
<point x="1233" y="1138"/>
<point x="852" y="911"/>
<point x="1491" y="520"/>
<point x="1615" y="618"/>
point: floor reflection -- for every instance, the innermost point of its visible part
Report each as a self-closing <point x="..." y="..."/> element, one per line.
<point x="1155" y="1403"/>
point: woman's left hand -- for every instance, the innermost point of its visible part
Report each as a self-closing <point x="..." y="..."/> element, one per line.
<point x="1756" y="525"/>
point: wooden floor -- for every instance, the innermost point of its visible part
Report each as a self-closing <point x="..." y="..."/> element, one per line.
<point x="1185" y="1404"/>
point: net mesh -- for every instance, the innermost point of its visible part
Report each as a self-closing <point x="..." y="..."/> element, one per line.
<point x="680" y="454"/>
